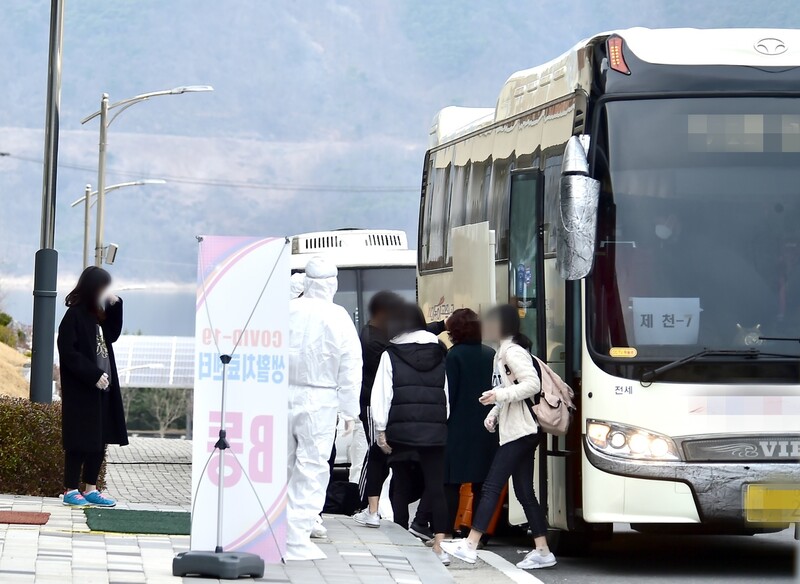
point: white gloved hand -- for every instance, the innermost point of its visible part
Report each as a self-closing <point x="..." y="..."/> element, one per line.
<point x="103" y="382"/>
<point x="112" y="299"/>
<point x="490" y="423"/>
<point x="383" y="444"/>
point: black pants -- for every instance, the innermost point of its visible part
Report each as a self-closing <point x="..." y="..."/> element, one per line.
<point x="408" y="485"/>
<point x="376" y="465"/>
<point x="431" y="464"/>
<point x="89" y="462"/>
<point x="516" y="460"/>
<point x="453" y="494"/>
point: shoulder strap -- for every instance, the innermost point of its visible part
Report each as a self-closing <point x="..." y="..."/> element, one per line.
<point x="530" y="402"/>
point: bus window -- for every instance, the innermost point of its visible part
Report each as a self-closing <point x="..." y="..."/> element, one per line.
<point x="403" y="281"/>
<point x="552" y="181"/>
<point x="435" y="220"/>
<point x="425" y="212"/>
<point x="440" y="192"/>
<point x="347" y="294"/>
<point x="458" y="204"/>
<point x="478" y="194"/>
<point x="498" y="219"/>
<point x="524" y="259"/>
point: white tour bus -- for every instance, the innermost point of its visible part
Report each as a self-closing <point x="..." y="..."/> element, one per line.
<point x="369" y="260"/>
<point x="638" y="200"/>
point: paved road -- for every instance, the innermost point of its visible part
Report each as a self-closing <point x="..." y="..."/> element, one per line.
<point x="634" y="557"/>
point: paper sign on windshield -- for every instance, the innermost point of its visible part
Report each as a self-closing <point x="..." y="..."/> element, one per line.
<point x="666" y="321"/>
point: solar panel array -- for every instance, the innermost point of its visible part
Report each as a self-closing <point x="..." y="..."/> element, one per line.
<point x="155" y="361"/>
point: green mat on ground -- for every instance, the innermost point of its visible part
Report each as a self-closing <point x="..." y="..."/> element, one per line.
<point x="128" y="521"/>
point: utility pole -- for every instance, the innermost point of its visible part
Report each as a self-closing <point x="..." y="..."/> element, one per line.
<point x="45" y="277"/>
<point x="101" y="182"/>
<point x="105" y="122"/>
<point x="87" y="220"/>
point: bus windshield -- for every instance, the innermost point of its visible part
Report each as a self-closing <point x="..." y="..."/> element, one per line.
<point x="357" y="286"/>
<point x="699" y="227"/>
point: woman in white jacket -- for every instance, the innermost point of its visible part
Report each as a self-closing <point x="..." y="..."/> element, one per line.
<point x="516" y="382"/>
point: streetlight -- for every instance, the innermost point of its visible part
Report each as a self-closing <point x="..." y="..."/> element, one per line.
<point x="88" y="203"/>
<point x="45" y="278"/>
<point x="105" y="122"/>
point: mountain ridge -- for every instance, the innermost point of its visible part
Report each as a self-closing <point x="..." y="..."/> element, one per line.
<point x="334" y="92"/>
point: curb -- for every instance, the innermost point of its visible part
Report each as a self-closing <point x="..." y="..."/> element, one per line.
<point x="507" y="568"/>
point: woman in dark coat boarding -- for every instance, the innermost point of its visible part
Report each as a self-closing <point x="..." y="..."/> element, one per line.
<point x="469" y="372"/>
<point x="92" y="412"/>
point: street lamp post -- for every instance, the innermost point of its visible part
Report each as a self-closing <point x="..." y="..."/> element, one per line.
<point x="46" y="261"/>
<point x="105" y="122"/>
<point x="87" y="195"/>
<point x="86" y="199"/>
<point x="101" y="181"/>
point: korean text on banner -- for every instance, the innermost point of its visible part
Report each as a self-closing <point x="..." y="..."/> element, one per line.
<point x="232" y="274"/>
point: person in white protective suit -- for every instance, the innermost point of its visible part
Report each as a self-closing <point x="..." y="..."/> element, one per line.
<point x="297" y="285"/>
<point x="324" y="379"/>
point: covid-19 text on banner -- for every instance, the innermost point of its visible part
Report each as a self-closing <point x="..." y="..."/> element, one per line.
<point x="232" y="274"/>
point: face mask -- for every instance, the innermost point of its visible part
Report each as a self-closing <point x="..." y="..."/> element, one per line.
<point x="663" y="231"/>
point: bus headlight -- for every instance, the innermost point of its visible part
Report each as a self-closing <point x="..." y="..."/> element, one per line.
<point x="630" y="442"/>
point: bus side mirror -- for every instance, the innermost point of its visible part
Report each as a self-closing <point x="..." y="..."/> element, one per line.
<point x="579" y="197"/>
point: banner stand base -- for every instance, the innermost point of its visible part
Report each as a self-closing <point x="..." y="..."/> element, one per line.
<point x="222" y="565"/>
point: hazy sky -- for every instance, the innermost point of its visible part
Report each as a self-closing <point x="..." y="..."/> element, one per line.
<point x="317" y="106"/>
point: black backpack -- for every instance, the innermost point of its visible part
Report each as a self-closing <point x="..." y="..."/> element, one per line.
<point x="342" y="498"/>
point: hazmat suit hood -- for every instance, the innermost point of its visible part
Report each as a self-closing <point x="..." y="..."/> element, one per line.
<point x="297" y="285"/>
<point x="321" y="279"/>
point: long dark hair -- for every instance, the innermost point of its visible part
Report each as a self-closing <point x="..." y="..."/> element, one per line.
<point x="508" y="318"/>
<point x="91" y="284"/>
<point x="405" y="318"/>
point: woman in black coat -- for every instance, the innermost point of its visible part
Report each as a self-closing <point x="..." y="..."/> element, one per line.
<point x="91" y="403"/>
<point x="469" y="372"/>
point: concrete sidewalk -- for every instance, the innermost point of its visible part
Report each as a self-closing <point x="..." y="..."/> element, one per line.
<point x="64" y="550"/>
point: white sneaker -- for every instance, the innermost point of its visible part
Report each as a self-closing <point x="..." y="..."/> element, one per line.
<point x="458" y="548"/>
<point x="535" y="559"/>
<point x="443" y="557"/>
<point x="319" y="531"/>
<point x="367" y="519"/>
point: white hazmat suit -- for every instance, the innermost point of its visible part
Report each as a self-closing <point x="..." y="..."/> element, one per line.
<point x="297" y="285"/>
<point x="324" y="378"/>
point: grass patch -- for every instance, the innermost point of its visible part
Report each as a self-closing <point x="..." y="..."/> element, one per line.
<point x="130" y="521"/>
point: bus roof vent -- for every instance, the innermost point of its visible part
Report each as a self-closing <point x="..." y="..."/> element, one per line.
<point x="323" y="241"/>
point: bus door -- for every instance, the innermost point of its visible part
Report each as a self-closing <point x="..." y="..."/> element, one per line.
<point x="526" y="268"/>
<point x="526" y="293"/>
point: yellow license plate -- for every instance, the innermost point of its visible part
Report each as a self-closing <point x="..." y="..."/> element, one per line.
<point x="772" y="503"/>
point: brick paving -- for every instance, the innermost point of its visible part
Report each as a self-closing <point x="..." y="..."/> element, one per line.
<point x="65" y="551"/>
<point x="151" y="473"/>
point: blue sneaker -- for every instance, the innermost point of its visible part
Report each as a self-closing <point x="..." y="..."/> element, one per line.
<point x="74" y="498"/>
<point x="98" y="499"/>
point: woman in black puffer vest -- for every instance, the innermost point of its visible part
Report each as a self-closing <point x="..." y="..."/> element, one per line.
<point x="410" y="407"/>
